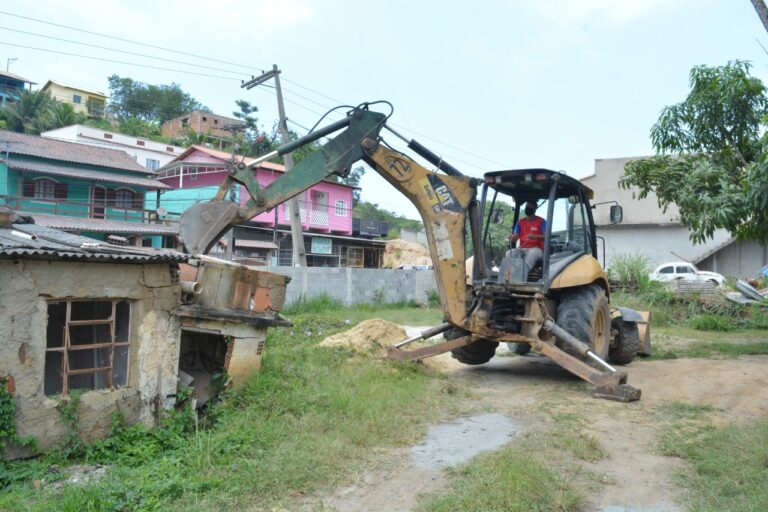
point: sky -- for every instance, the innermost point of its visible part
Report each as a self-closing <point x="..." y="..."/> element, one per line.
<point x="497" y="85"/>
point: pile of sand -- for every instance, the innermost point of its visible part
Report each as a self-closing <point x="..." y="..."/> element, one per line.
<point x="368" y="336"/>
<point x="399" y="253"/>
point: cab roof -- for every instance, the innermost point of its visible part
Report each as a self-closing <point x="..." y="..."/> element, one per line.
<point x="533" y="184"/>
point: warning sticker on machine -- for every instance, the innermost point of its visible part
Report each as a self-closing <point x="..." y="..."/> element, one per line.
<point x="431" y="196"/>
<point x="442" y="240"/>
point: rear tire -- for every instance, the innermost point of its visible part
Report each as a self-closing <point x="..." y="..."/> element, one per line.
<point x="519" y="348"/>
<point x="583" y="313"/>
<point x="478" y="352"/>
<point x="627" y="342"/>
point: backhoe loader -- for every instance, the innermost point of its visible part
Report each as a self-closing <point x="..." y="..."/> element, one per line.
<point x="560" y="307"/>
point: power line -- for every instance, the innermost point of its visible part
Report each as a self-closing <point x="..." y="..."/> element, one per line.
<point x="123" y="51"/>
<point x="126" y="40"/>
<point x="118" y="61"/>
<point x="475" y="155"/>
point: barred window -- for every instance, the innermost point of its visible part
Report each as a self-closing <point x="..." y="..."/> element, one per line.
<point x="87" y="345"/>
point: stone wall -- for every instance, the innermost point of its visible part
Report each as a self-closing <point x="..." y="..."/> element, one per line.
<point x="358" y="285"/>
<point x="153" y="361"/>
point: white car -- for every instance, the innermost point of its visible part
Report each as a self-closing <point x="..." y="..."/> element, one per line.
<point x="686" y="272"/>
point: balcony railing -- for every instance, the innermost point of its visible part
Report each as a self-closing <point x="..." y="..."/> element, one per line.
<point x="84" y="209"/>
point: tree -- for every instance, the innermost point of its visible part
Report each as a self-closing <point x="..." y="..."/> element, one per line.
<point x="31" y="113"/>
<point x="712" y="155"/>
<point x="64" y="114"/>
<point x="148" y="102"/>
<point x="252" y="141"/>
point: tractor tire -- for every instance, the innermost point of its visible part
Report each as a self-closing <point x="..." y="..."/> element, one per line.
<point x="478" y="352"/>
<point x="519" y="348"/>
<point x="627" y="342"/>
<point x="583" y="313"/>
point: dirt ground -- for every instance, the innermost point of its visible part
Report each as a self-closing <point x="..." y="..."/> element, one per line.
<point x="635" y="478"/>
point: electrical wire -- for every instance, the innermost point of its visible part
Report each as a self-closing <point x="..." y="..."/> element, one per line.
<point x="474" y="155"/>
<point x="123" y="51"/>
<point x="117" y="61"/>
<point x="146" y="45"/>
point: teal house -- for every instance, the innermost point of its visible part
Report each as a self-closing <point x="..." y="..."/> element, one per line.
<point x="87" y="190"/>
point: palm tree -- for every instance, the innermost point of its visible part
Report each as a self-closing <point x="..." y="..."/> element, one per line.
<point x="31" y="113"/>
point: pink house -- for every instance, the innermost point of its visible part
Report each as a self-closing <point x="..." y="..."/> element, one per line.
<point x="195" y="175"/>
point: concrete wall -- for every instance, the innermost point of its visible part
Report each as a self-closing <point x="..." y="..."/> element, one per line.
<point x="659" y="244"/>
<point x="154" y="336"/>
<point x="358" y="285"/>
<point x="605" y="183"/>
<point x="739" y="259"/>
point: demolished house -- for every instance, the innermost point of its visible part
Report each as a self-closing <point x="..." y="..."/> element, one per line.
<point x="116" y="326"/>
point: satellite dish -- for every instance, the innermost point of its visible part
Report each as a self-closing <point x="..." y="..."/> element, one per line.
<point x="161" y="211"/>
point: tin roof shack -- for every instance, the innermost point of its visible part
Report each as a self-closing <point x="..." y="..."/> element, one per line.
<point x="79" y="314"/>
<point x="227" y="308"/>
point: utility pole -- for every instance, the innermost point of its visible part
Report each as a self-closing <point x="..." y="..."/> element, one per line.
<point x="297" y="238"/>
<point x="762" y="11"/>
<point x="8" y="63"/>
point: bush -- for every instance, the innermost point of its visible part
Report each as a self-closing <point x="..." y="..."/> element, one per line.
<point x="710" y="322"/>
<point x="630" y="272"/>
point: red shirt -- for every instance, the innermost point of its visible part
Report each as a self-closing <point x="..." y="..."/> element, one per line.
<point x="526" y="227"/>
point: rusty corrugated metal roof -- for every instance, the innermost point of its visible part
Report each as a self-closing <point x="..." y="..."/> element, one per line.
<point x="32" y="241"/>
<point x="102" y="225"/>
<point x="72" y="172"/>
<point x="52" y="149"/>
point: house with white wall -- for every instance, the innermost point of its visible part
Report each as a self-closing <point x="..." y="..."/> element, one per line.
<point x="659" y="235"/>
<point x="148" y="153"/>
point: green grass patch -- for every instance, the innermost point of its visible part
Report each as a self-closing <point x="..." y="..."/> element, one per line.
<point x="511" y="480"/>
<point x="728" y="466"/>
<point x="707" y="350"/>
<point x="408" y="313"/>
<point x="305" y="423"/>
<point x="682" y="411"/>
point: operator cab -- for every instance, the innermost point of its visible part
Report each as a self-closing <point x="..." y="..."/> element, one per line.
<point x="562" y="201"/>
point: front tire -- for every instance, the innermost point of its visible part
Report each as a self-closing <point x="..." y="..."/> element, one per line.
<point x="583" y="313"/>
<point x="478" y="352"/>
<point x="627" y="342"/>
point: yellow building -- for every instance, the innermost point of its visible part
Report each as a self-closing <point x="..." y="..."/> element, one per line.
<point x="91" y="103"/>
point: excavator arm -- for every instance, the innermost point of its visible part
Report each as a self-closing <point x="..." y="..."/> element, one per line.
<point x="443" y="200"/>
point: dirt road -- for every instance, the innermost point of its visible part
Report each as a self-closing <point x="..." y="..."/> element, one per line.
<point x="636" y="477"/>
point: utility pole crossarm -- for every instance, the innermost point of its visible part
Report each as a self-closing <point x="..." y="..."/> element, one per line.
<point x="297" y="237"/>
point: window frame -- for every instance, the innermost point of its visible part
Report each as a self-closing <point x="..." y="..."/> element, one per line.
<point x="65" y="372"/>
<point x="120" y="201"/>
<point x="343" y="204"/>
<point x="50" y="186"/>
<point x="77" y="99"/>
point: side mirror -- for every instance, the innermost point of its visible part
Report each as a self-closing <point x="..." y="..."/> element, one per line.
<point x="616" y="214"/>
<point x="498" y="216"/>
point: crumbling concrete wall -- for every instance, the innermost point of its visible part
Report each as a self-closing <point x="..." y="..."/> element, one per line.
<point x="26" y="285"/>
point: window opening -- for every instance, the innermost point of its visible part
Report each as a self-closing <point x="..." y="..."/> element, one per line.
<point x="87" y="345"/>
<point x="45" y="189"/>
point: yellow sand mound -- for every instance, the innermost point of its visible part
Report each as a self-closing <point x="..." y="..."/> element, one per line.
<point x="399" y="253"/>
<point x="372" y="335"/>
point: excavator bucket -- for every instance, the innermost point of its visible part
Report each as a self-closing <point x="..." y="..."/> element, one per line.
<point x="203" y="224"/>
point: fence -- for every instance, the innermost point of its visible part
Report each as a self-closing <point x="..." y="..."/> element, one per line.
<point x="358" y="285"/>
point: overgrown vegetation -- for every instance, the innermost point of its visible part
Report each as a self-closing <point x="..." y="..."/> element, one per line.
<point x="309" y="419"/>
<point x="630" y="272"/>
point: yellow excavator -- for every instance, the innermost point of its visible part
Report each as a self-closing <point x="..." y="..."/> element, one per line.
<point x="558" y="307"/>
